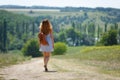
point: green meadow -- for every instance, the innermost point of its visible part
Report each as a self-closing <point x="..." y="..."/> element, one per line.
<point x="105" y="58"/>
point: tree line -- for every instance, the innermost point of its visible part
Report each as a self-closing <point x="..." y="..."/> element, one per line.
<point x="16" y="29"/>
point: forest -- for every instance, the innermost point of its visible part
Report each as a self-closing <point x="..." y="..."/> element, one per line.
<point x="73" y="26"/>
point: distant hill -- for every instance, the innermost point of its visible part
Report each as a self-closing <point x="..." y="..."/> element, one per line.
<point x="98" y="15"/>
<point x="61" y="8"/>
<point x="27" y="7"/>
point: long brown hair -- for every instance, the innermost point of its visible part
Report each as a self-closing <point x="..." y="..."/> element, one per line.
<point x="45" y="27"/>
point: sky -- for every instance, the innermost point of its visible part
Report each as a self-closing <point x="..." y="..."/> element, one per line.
<point x="64" y="3"/>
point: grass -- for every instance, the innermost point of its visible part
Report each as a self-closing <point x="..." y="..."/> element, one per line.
<point x="12" y="57"/>
<point x="105" y="58"/>
<point x="109" y="53"/>
<point x="44" y="12"/>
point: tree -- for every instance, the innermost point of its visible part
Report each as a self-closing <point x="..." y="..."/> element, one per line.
<point x="98" y="32"/>
<point x="105" y="27"/>
<point x="62" y="37"/>
<point x="12" y="29"/>
<point x="73" y="25"/>
<point x="1" y="35"/>
<point x="112" y="37"/>
<point x="78" y="38"/>
<point x="119" y="36"/>
<point x="85" y="14"/>
<point x="116" y="26"/>
<point x="109" y="38"/>
<point x="23" y="27"/>
<point x="33" y="28"/>
<point x="71" y="35"/>
<point x="91" y="29"/>
<point x="5" y="36"/>
<point x="26" y="31"/>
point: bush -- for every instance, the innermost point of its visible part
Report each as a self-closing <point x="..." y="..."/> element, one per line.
<point x="31" y="48"/>
<point x="60" y="48"/>
<point x="109" y="38"/>
<point x="15" y="44"/>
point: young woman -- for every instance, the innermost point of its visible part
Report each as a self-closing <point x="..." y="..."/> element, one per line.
<point x="46" y="41"/>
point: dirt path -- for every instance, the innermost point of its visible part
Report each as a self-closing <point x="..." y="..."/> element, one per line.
<point x="58" y="70"/>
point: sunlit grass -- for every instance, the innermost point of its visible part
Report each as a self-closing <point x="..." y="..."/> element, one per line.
<point x="109" y="53"/>
<point x="103" y="53"/>
<point x="105" y="58"/>
<point x="12" y="57"/>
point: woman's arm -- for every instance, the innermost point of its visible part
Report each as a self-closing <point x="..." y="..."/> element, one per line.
<point x="39" y="38"/>
<point x="52" y="37"/>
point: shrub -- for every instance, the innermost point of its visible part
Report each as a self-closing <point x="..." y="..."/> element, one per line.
<point x="59" y="48"/>
<point x="31" y="48"/>
<point x="109" y="38"/>
<point x="15" y="44"/>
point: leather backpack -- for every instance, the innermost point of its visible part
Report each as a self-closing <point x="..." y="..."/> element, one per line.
<point x="42" y="39"/>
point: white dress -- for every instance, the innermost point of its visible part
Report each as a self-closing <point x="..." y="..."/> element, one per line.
<point x="49" y="47"/>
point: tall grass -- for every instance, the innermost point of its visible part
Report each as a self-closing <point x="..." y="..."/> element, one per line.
<point x="106" y="58"/>
<point x="103" y="53"/>
<point x="12" y="57"/>
<point x="109" y="53"/>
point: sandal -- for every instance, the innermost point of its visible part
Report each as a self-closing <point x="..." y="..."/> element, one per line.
<point x="45" y="68"/>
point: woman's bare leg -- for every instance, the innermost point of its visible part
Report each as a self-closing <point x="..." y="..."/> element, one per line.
<point x="46" y="59"/>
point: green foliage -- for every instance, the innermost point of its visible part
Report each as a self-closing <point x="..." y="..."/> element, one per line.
<point x="60" y="48"/>
<point x="15" y="44"/>
<point x="83" y="32"/>
<point x="12" y="28"/>
<point x="3" y="36"/>
<point x="73" y="37"/>
<point x="91" y="29"/>
<point x="109" y="38"/>
<point x="105" y="27"/>
<point x="31" y="48"/>
<point x="62" y="37"/>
